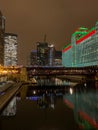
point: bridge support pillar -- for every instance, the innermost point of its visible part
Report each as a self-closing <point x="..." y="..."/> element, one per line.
<point x="23" y="92"/>
<point x="23" y="74"/>
<point x="96" y="76"/>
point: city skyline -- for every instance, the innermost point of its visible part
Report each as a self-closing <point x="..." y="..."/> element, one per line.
<point x="31" y="20"/>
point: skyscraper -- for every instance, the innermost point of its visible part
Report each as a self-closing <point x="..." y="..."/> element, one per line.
<point x="33" y="57"/>
<point x="2" y="31"/>
<point x="10" y="49"/>
<point x="58" y="58"/>
<point x="42" y="53"/>
<point x="51" y="54"/>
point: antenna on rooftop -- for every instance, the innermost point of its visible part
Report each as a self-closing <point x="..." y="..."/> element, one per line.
<point x="45" y="36"/>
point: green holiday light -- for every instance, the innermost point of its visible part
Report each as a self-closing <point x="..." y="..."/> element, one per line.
<point x="66" y="45"/>
<point x="79" y="34"/>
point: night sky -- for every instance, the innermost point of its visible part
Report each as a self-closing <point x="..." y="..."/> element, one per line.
<point x="58" y="19"/>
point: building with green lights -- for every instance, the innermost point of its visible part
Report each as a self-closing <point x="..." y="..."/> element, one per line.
<point x="83" y="49"/>
<point x="67" y="55"/>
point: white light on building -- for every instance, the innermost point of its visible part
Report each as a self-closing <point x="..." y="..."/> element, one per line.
<point x="10" y="49"/>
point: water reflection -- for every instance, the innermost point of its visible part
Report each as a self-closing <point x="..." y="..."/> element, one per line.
<point x="55" y="108"/>
<point x="43" y="109"/>
<point x="44" y="97"/>
<point x="83" y="99"/>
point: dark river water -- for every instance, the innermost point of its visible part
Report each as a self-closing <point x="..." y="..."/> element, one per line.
<point x="59" y="108"/>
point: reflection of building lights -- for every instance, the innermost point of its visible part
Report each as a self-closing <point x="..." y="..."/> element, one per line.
<point x="34" y="98"/>
<point x="52" y="106"/>
<point x="34" y="92"/>
<point x="71" y="91"/>
<point x="85" y="84"/>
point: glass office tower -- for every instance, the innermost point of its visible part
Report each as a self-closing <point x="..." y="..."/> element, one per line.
<point x="10" y="49"/>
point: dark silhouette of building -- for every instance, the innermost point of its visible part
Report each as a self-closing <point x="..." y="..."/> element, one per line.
<point x="42" y="53"/>
<point x="58" y="58"/>
<point x="33" y="57"/>
<point x="2" y="31"/>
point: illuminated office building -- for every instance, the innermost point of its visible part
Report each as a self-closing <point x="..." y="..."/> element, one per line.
<point x="45" y="55"/>
<point x="51" y="54"/>
<point x="42" y="53"/>
<point x="83" y="49"/>
<point x="10" y="49"/>
<point x="2" y="31"/>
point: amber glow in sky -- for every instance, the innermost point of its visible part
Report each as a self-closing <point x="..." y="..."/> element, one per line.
<point x="58" y="19"/>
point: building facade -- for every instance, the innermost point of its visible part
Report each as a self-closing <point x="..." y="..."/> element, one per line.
<point x="45" y="55"/>
<point x="51" y="54"/>
<point x="10" y="49"/>
<point x="33" y="58"/>
<point x="2" y="31"/>
<point x="42" y="53"/>
<point x="83" y="50"/>
<point x="58" y="58"/>
<point x="67" y="55"/>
